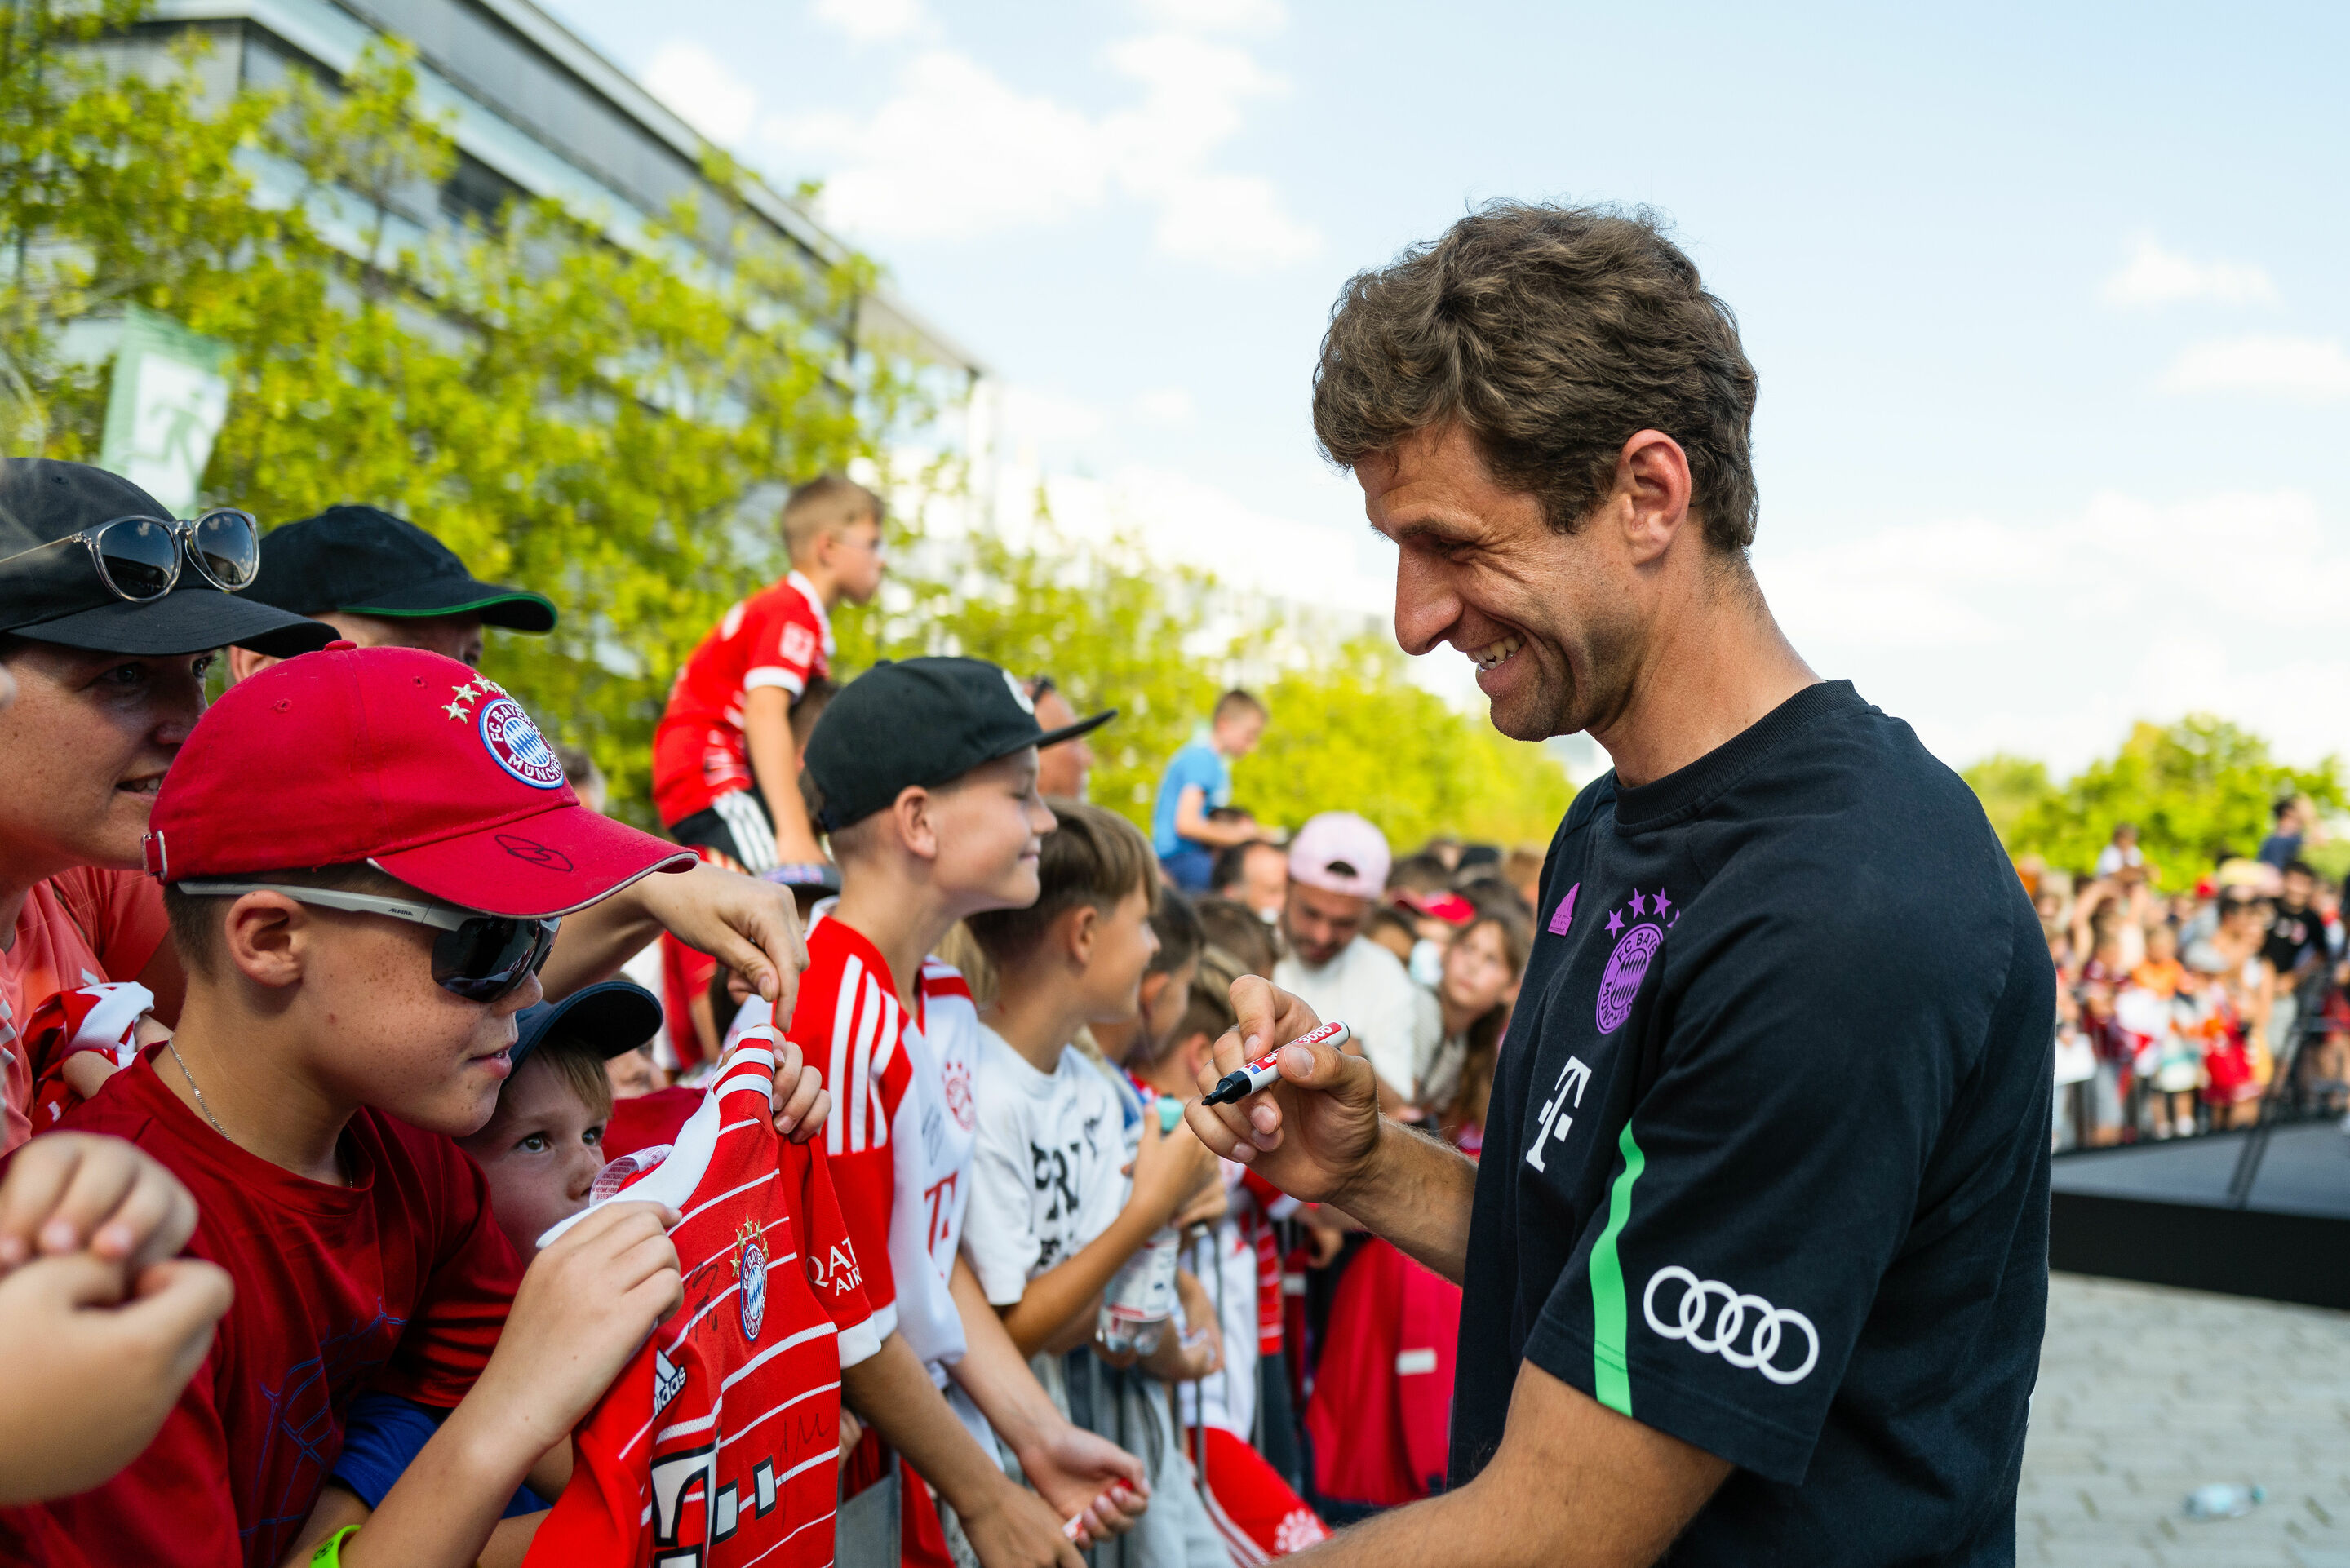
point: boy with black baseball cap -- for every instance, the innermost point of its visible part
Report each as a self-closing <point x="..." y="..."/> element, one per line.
<point x="110" y="612"/>
<point x="924" y="775"/>
<point x="383" y="582"/>
<point x="356" y="952"/>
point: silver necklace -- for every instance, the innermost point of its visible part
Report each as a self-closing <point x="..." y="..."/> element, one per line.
<point x="191" y="1077"/>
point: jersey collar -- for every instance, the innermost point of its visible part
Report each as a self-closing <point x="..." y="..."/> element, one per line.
<point x="798" y="579"/>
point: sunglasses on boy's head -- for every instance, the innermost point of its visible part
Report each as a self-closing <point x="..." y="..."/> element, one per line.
<point x="138" y="558"/>
<point x="482" y="958"/>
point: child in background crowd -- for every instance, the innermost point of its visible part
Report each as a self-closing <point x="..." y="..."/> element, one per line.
<point x="340" y="1021"/>
<point x="1234" y="927"/>
<point x="1480" y="972"/>
<point x="539" y="1152"/>
<point x="1198" y="781"/>
<point x="1253" y="1509"/>
<point x="1053" y="1220"/>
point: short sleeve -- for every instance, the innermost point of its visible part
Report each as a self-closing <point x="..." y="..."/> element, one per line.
<point x="835" y="1271"/>
<point x="999" y="1231"/>
<point x="784" y="644"/>
<point x="1766" y="1180"/>
<point x="471" y="1285"/>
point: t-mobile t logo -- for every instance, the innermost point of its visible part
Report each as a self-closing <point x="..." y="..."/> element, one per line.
<point x="1554" y="1121"/>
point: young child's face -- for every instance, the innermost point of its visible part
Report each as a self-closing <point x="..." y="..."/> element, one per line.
<point x="854" y="555"/>
<point x="1477" y="969"/>
<point x="991" y="828"/>
<point x="2162" y="944"/>
<point x="632" y="1073"/>
<point x="1163" y="998"/>
<point x="540" y="1153"/>
<point x="388" y="1036"/>
<point x="1123" y="945"/>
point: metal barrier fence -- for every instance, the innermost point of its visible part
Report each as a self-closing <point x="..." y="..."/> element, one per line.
<point x="2092" y="1100"/>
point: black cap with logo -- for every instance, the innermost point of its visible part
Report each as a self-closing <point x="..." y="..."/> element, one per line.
<point x="61" y="594"/>
<point x="615" y="1016"/>
<point x="364" y="560"/>
<point x="919" y="723"/>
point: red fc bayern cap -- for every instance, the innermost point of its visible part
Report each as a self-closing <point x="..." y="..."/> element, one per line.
<point x="406" y="760"/>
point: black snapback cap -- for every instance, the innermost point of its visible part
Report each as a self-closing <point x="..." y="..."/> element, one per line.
<point x="917" y="724"/>
<point x="57" y="596"/>
<point x="609" y="1018"/>
<point x="364" y="560"/>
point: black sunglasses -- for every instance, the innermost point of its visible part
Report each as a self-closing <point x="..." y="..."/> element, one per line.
<point x="482" y="958"/>
<point x="138" y="558"/>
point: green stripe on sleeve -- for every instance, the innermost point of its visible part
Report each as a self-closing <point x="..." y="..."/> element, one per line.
<point x="1611" y="1370"/>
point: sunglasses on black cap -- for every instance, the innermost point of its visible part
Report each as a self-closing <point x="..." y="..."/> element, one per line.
<point x="138" y="558"/>
<point x="482" y="958"/>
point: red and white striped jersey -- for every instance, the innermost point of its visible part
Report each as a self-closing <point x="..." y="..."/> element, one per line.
<point x="778" y="637"/>
<point x="719" y="1442"/>
<point x="902" y="1124"/>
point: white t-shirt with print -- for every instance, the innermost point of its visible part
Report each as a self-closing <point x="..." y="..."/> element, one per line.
<point x="1044" y="1172"/>
<point x="1367" y="987"/>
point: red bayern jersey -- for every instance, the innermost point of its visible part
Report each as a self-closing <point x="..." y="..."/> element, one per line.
<point x="780" y="637"/>
<point x="902" y="1124"/>
<point x="720" y="1443"/>
<point x="399" y="1281"/>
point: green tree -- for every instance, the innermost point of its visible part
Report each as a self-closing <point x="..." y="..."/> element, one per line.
<point x="2199" y="790"/>
<point x="587" y="418"/>
<point x="2009" y="787"/>
<point x="1349" y="729"/>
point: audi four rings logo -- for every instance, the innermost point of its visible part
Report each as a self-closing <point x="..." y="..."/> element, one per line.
<point x="1727" y="1331"/>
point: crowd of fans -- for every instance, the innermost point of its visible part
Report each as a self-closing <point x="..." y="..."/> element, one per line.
<point x="2186" y="1012"/>
<point x="371" y="1217"/>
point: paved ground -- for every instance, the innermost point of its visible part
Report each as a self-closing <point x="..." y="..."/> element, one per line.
<point x="2146" y="1393"/>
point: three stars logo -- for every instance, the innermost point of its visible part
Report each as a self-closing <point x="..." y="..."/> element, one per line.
<point x="473" y="692"/>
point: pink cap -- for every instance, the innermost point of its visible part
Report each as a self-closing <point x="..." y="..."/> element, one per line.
<point x="1339" y="852"/>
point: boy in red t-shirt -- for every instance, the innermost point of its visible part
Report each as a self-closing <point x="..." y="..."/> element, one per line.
<point x="341" y="1021"/>
<point x="725" y="769"/>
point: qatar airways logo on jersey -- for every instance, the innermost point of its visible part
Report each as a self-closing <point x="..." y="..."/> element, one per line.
<point x="959" y="1101"/>
<point x="835" y="1272"/>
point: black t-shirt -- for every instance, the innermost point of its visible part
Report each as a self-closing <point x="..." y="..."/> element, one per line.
<point x="2292" y="934"/>
<point x="1766" y="1164"/>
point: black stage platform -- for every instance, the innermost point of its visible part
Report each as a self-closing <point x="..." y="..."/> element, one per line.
<point x="2161" y="1212"/>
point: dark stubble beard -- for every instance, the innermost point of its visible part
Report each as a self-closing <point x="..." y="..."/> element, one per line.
<point x="1608" y="656"/>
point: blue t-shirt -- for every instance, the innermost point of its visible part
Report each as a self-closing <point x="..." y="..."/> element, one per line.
<point x="382" y="1437"/>
<point x="1198" y="763"/>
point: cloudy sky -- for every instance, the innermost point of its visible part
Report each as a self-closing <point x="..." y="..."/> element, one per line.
<point x="2047" y="302"/>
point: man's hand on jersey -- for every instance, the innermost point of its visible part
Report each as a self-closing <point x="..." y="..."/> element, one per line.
<point x="94" y="1373"/>
<point x="1314" y="1131"/>
<point x="1021" y="1530"/>
<point x="1089" y="1478"/>
<point x="584" y="1305"/>
<point x="66" y="1192"/>
<point x="751" y="926"/>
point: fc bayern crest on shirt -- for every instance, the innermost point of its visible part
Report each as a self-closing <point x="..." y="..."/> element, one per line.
<point x="1635" y="948"/>
<point x="518" y="746"/>
<point x="751" y="1279"/>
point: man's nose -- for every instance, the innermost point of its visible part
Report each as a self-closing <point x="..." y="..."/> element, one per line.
<point x="1425" y="609"/>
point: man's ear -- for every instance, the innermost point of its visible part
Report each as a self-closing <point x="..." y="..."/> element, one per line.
<point x="267" y="937"/>
<point x="244" y="664"/>
<point x="1652" y="493"/>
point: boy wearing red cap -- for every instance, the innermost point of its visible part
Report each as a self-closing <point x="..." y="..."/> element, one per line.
<point x="343" y="1015"/>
